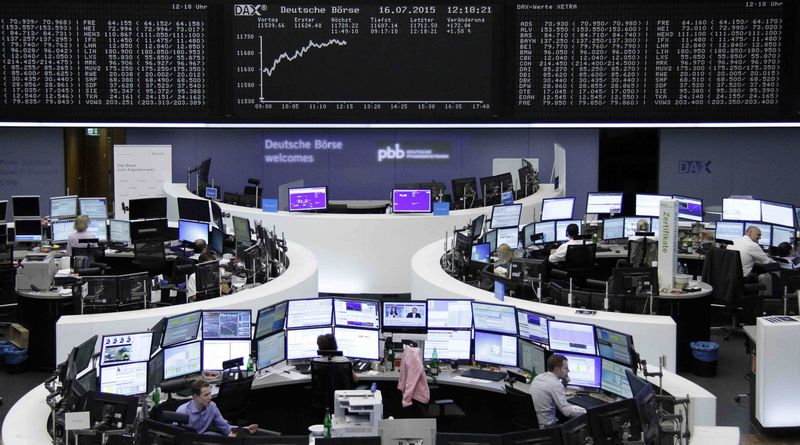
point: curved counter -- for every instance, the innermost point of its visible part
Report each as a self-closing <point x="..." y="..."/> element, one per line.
<point x="364" y="253"/>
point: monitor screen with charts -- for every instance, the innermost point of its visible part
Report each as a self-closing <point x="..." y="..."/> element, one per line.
<point x="494" y="318"/>
<point x="308" y="198"/>
<point x="453" y="314"/>
<point x="128" y="379"/>
<point x="182" y="328"/>
<point x="571" y="337"/>
<point x="270" y="350"/>
<point x="63" y="207"/>
<point x="613" y="228"/>
<point x="614" y="379"/>
<point x="548" y="231"/>
<point x="739" y="209"/>
<point x="61" y="230"/>
<point x="480" y="253"/>
<point x="119" y="231"/>
<point x="728" y="230"/>
<point x="614" y="345"/>
<point x="604" y="203"/>
<point x="358" y="343"/>
<point x="490" y="238"/>
<point x="271" y="319"/>
<point x="302" y="343"/>
<point x="777" y="213"/>
<point x="310" y="312"/>
<point x="584" y="370"/>
<point x="508" y="236"/>
<point x="217" y="351"/>
<point x="505" y="216"/>
<point x="191" y="231"/>
<point x="411" y="201"/>
<point x="557" y="208"/>
<point x="533" y="326"/>
<point x="561" y="229"/>
<point x="356" y="313"/>
<point x="94" y="208"/>
<point x="649" y="205"/>
<point x="449" y="344"/>
<point x="230" y="324"/>
<point x="689" y="208"/>
<point x="782" y="235"/>
<point x="182" y="360"/>
<point x="97" y="228"/>
<point x="125" y="348"/>
<point x="402" y="315"/>
<point x="495" y="349"/>
<point x="531" y="356"/>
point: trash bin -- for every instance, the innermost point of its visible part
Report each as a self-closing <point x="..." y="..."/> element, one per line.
<point x="16" y="360"/>
<point x="705" y="355"/>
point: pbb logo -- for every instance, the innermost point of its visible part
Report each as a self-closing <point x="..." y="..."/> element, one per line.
<point x="391" y="153"/>
<point x="694" y="167"/>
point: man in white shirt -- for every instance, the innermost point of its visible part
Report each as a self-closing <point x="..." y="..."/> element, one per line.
<point x="749" y="250"/>
<point x="561" y="253"/>
<point x="548" y="392"/>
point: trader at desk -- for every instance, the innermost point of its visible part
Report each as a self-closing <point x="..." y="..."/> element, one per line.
<point x="203" y="413"/>
<point x="81" y="232"/>
<point x="561" y="253"/>
<point x="752" y="254"/>
<point x="548" y="392"/>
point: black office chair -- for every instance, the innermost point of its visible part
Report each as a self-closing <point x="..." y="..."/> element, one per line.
<point x="520" y="406"/>
<point x="89" y="258"/>
<point x="722" y="269"/>
<point x="233" y="398"/>
<point x="328" y="376"/>
<point x="154" y="432"/>
<point x="148" y="254"/>
<point x="642" y="252"/>
<point x="578" y="264"/>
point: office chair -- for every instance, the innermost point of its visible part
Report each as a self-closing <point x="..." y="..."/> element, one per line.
<point x="89" y="257"/>
<point x="577" y="264"/>
<point x="233" y="397"/>
<point x="790" y="280"/>
<point x="642" y="252"/>
<point x="148" y="254"/>
<point x="722" y="269"/>
<point x="328" y="376"/>
<point x="520" y="404"/>
<point x="154" y="432"/>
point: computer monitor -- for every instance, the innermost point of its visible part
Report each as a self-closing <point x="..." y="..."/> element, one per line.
<point x="561" y="229"/>
<point x="462" y="244"/>
<point x="411" y="201"/>
<point x="101" y="289"/>
<point x="632" y="224"/>
<point x="302" y="343"/>
<point x="216" y="240"/>
<point x="649" y="205"/>
<point x="182" y="360"/>
<point x="728" y="230"/>
<point x="782" y="235"/>
<point x="584" y="370"/>
<point x="308" y="198"/>
<point x="476" y="228"/>
<point x="194" y="210"/>
<point x="548" y="231"/>
<point x="508" y="236"/>
<point x="615" y="422"/>
<point x="119" y="231"/>
<point x="615" y="346"/>
<point x="309" y="312"/>
<point x="557" y="208"/>
<point x="207" y="276"/>
<point x="125" y="348"/>
<point x="505" y="216"/>
<point x="527" y="235"/>
<point x="451" y="314"/>
<point x="99" y="230"/>
<point x="25" y="206"/>
<point x="63" y="207"/>
<point x="646" y="403"/>
<point x="655" y="225"/>
<point x="766" y="232"/>
<point x="404" y="316"/>
<point x="158" y="334"/>
<point x="121" y="409"/>
<point x="226" y="324"/>
<point x="571" y="337"/>
<point x="150" y="229"/>
<point x="635" y="281"/>
<point x="494" y="318"/>
<point x="94" y="208"/>
<point x="270" y="350"/>
<point x="3" y="209"/>
<point x="155" y="371"/>
<point x="217" y="351"/>
<point x="490" y="237"/>
<point x="191" y="231"/>
<point x="356" y="313"/>
<point x="533" y="326"/>
<point x="133" y="288"/>
<point x="689" y="208"/>
<point x="61" y="230"/>
<point x="480" y="253"/>
<point x="182" y="328"/>
<point x="494" y="186"/>
<point x="241" y="230"/>
<point x="83" y="355"/>
<point x="211" y="193"/>
<point x="495" y="349"/>
<point x="545" y="436"/>
<point x="358" y="343"/>
<point x="28" y="230"/>
<point x="127" y="379"/>
<point x="613" y="228"/>
<point x="271" y="319"/>
<point x="531" y="356"/>
<point x="740" y="209"/>
<point x="147" y="208"/>
<point x="604" y="203"/>
<point x="449" y="344"/>
<point x="778" y="213"/>
<point x="614" y="379"/>
<point x="88" y="381"/>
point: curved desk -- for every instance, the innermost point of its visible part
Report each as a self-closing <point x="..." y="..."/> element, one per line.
<point x="298" y="281"/>
<point x="363" y="253"/>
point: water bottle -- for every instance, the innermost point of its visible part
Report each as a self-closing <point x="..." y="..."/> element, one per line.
<point x="156" y="395"/>
<point x="326" y="423"/>
<point x="435" y="362"/>
<point x="250" y="365"/>
<point x="391" y="358"/>
<point x="533" y="373"/>
<point x="373" y="387"/>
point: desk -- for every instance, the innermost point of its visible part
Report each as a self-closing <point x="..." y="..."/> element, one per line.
<point x="715" y="435"/>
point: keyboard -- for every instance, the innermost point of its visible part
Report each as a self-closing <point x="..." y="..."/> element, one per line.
<point x="603" y="249"/>
<point x="586" y="401"/>
<point x="483" y="374"/>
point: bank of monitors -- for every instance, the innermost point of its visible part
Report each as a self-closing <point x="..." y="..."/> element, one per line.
<point x="508" y="236"/>
<point x="614" y="378"/>
<point x="649" y="205"/>
<point x="271" y="319"/>
<point x="126" y="379"/>
<point x="449" y="344"/>
<point x="531" y="356"/>
<point x="741" y="209"/>
<point x="119" y="231"/>
<point x="181" y="328"/>
<point x="302" y="343"/>
<point x="125" y="348"/>
<point x="584" y="370"/>
<point x="28" y="229"/>
<point x="777" y="213"/>
<point x="356" y="313"/>
<point x="270" y="350"/>
<point x="358" y="343"/>
<point x="505" y="216"/>
<point x="490" y="237"/>
<point x="94" y="208"/>
<point x="561" y="229"/>
<point x="411" y="201"/>
<point x="613" y="228"/>
<point x="309" y="312"/>
<point x="533" y="326"/>
<point x="215" y="352"/>
<point x="728" y="230"/>
<point x="689" y="208"/>
<point x="182" y="360"/>
<point x="193" y="209"/>
<point x="494" y="318"/>
<point x="557" y="208"/>
<point x="495" y="349"/>
<point x="63" y="207"/>
<point x="480" y="253"/>
<point x="147" y="208"/>
<point x="404" y="316"/>
<point x="571" y="337"/>
<point x="25" y="207"/>
<point x="782" y="234"/>
<point x="304" y="199"/>
<point x="604" y="203"/>
<point x="615" y="346"/>
<point x="191" y="231"/>
<point x="450" y="314"/>
<point x="494" y="186"/>
<point x="226" y="324"/>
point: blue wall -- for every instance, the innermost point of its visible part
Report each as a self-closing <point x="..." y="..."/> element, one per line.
<point x="32" y="163"/>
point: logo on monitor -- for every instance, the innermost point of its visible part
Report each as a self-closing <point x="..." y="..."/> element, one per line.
<point x="247" y="10"/>
<point x="694" y="166"/>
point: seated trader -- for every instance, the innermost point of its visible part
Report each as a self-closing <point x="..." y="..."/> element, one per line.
<point x="548" y="392"/>
<point x="327" y="342"/>
<point x="81" y="225"/>
<point x="641" y="226"/>
<point x="505" y="255"/>
<point x="191" y="280"/>
<point x="559" y="254"/>
<point x="749" y="250"/>
<point x="204" y="416"/>
<point x="786" y="256"/>
<point x="200" y="246"/>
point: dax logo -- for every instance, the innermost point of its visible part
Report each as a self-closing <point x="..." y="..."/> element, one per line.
<point x="694" y="166"/>
<point x="391" y="153"/>
<point x="247" y="10"/>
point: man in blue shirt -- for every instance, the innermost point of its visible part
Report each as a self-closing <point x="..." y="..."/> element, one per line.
<point x="204" y="416"/>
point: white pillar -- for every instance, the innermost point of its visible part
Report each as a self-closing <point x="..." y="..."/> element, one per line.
<point x="667" y="243"/>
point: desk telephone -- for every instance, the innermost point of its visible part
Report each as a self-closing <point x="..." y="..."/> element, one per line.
<point x="361" y="366"/>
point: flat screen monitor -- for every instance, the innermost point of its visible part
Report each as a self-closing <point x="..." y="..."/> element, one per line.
<point x="356" y="313"/>
<point x="632" y="224"/>
<point x="557" y="208"/>
<point x="191" y="231"/>
<point x="613" y="228"/>
<point x="63" y="207"/>
<point x="531" y="356"/>
<point x="358" y="343"/>
<point x="207" y="276"/>
<point x="615" y="346"/>
<point x="127" y="379"/>
<point x="302" y="343"/>
<point x="655" y="225"/>
<point x="211" y="193"/>
<point x="452" y="314"/>
<point x="614" y="379"/>
<point x="182" y="328"/>
<point x="125" y="348"/>
<point x="158" y="334"/>
<point x="270" y="350"/>
<point x="147" y="208"/>
<point x="495" y="349"/>
<point x="61" y="230"/>
<point x="83" y="356"/>
<point x="28" y="230"/>
<point x="462" y="244"/>
<point x="490" y="237"/>
<point x="99" y="230"/>
<point x="494" y="318"/>
<point x="88" y="381"/>
<point x="649" y="205"/>
<point x="94" y="207"/>
<point x="226" y="324"/>
<point x="3" y="209"/>
<point x="777" y="213"/>
<point x="740" y="209"/>
<point x="133" y="288"/>
<point x="548" y="231"/>
<point x="689" y="208"/>
<point x="401" y="316"/>
<point x="241" y="230"/>
<point x="527" y="235"/>
<point x="119" y="231"/>
<point x="571" y="337"/>
<point x="194" y="210"/>
<point x="506" y="216"/>
<point x="216" y="240"/>
<point x="533" y="326"/>
<point x="271" y="319"/>
<point x="561" y="229"/>
<point x="728" y="230"/>
<point x="508" y="236"/>
<point x="217" y="351"/>
<point x="476" y="228"/>
<point x="635" y="281"/>
<point x="494" y="186"/>
<point x="181" y="360"/>
<point x="782" y="235"/>
<point x="25" y="206"/>
<point x="309" y="312"/>
<point x="449" y="344"/>
<point x="411" y="201"/>
<point x="604" y="203"/>
<point x="584" y="370"/>
<point x="480" y="253"/>
<point x="308" y="198"/>
<point x="155" y="371"/>
<point x="766" y="232"/>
